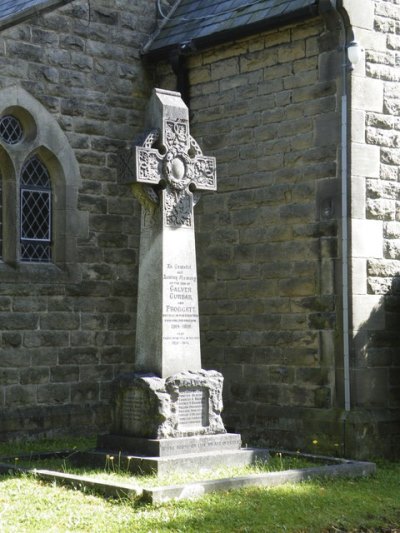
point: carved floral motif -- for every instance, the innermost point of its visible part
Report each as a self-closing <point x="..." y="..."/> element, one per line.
<point x="177" y="208"/>
<point x="204" y="172"/>
<point x="182" y="165"/>
<point x="149" y="164"/>
<point x="176" y="134"/>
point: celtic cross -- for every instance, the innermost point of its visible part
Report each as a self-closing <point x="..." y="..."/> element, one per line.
<point x="167" y="169"/>
<point x="170" y="159"/>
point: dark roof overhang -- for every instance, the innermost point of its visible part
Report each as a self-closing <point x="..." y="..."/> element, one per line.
<point x="185" y="44"/>
<point x="13" y="12"/>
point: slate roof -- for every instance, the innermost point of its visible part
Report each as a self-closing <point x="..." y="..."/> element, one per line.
<point x="207" y="22"/>
<point x="14" y="11"/>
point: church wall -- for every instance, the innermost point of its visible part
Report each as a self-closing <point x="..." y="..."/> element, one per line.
<point x="375" y="225"/>
<point x="67" y="331"/>
<point x="267" y="241"/>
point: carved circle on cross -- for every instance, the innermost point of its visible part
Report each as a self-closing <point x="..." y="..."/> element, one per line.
<point x="177" y="169"/>
<point x="177" y="166"/>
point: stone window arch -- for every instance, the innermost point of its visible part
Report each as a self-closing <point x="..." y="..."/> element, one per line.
<point x="30" y="135"/>
<point x="7" y="197"/>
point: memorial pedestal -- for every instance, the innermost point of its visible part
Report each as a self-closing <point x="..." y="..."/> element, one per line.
<point x="174" y="424"/>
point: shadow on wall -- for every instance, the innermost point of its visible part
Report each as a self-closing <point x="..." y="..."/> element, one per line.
<point x="375" y="367"/>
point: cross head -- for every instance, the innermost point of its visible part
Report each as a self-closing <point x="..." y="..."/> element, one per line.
<point x="168" y="167"/>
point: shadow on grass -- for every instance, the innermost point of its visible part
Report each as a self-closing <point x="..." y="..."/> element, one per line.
<point x="370" y="504"/>
<point x="365" y="504"/>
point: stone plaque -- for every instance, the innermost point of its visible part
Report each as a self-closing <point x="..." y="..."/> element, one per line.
<point x="193" y="408"/>
<point x="133" y="409"/>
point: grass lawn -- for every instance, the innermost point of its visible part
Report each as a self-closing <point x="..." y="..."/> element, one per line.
<point x="337" y="505"/>
<point x="114" y="473"/>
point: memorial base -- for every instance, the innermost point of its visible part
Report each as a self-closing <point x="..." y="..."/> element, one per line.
<point x="166" y="456"/>
<point x="165" y="425"/>
<point x="183" y="405"/>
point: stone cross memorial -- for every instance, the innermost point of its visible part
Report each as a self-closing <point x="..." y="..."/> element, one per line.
<point x="169" y="407"/>
<point x="168" y="170"/>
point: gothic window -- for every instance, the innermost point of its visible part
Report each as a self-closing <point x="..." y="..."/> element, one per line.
<point x="35" y="212"/>
<point x="39" y="182"/>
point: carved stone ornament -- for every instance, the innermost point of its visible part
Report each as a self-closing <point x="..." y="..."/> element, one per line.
<point x="171" y="172"/>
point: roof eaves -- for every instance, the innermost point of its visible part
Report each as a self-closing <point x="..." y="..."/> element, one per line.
<point x="160" y="28"/>
<point x="229" y="34"/>
<point x="28" y="12"/>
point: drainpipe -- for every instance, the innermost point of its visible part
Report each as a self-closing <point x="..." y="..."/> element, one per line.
<point x="344" y="140"/>
<point x="345" y="241"/>
<point x="333" y="15"/>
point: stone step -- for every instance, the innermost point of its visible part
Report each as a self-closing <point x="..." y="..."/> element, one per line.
<point x="193" y="462"/>
<point x="170" y="447"/>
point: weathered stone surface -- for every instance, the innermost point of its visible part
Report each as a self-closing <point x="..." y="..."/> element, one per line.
<point x="168" y="338"/>
<point x="380" y="209"/>
<point x="392" y="249"/>
<point x="392" y="230"/>
<point x="185" y="404"/>
<point x="379" y="285"/>
<point x="382" y="268"/>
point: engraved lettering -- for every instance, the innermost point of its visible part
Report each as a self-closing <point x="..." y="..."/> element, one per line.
<point x="193" y="408"/>
<point x="132" y="408"/>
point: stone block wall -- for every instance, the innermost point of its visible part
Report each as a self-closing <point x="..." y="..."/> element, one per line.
<point x="267" y="242"/>
<point x="66" y="333"/>
<point x="375" y="220"/>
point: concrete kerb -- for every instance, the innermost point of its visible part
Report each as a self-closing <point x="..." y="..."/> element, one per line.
<point x="270" y="479"/>
<point x="337" y="468"/>
<point x="107" y="489"/>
